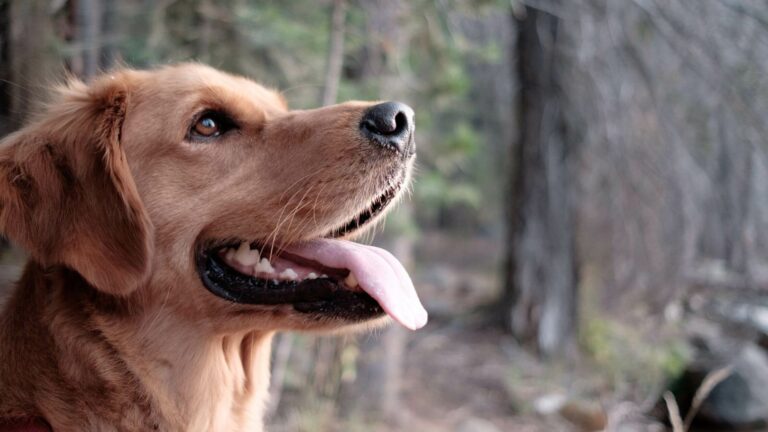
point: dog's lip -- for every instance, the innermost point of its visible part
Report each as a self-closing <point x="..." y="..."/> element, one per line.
<point x="375" y="208"/>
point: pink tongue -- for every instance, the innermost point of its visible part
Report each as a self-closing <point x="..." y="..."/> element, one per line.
<point x="378" y="272"/>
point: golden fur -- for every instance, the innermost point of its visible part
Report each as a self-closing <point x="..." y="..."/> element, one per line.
<point x="110" y="328"/>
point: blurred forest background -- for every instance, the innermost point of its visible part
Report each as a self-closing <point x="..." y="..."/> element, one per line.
<point x="589" y="221"/>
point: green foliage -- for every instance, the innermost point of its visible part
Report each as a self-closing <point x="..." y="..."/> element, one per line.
<point x="461" y="145"/>
<point x="629" y="357"/>
<point x="452" y="82"/>
<point x="315" y="415"/>
<point x="626" y="355"/>
<point x="490" y="53"/>
<point x="436" y="190"/>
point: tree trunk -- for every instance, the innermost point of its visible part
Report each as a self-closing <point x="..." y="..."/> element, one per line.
<point x="376" y="392"/>
<point x="157" y="13"/>
<point x="205" y="30"/>
<point x="541" y="270"/>
<point x="5" y="67"/>
<point x="335" y="53"/>
<point x="727" y="215"/>
<point x="326" y="375"/>
<point x="109" y="33"/>
<point x="87" y="34"/>
<point x="33" y="62"/>
<point x="380" y="364"/>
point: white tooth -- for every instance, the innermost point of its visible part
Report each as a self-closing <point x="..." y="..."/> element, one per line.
<point x="249" y="257"/>
<point x="241" y="256"/>
<point x="351" y="280"/>
<point x="243" y="247"/>
<point x="229" y="254"/>
<point x="324" y="276"/>
<point x="264" y="266"/>
<point x="289" y="274"/>
<point x="312" y="275"/>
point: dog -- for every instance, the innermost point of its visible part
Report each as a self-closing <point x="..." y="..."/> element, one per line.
<point x="174" y="220"/>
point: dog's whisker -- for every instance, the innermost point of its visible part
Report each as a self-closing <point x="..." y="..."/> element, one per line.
<point x="292" y="216"/>
<point x="270" y="241"/>
<point x="283" y="218"/>
<point x="315" y="205"/>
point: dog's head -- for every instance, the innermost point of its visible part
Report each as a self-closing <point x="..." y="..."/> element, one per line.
<point x="200" y="191"/>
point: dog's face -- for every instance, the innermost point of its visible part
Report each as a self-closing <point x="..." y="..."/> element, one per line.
<point x="215" y="202"/>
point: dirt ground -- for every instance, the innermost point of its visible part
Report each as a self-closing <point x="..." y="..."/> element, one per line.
<point x="455" y="378"/>
<point x="462" y="379"/>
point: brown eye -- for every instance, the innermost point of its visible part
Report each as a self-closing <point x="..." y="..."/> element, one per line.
<point x="210" y="124"/>
<point x="207" y="127"/>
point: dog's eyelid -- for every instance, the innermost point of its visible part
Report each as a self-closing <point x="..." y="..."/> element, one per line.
<point x="220" y="115"/>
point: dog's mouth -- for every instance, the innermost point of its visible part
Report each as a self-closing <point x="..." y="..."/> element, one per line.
<point x="327" y="277"/>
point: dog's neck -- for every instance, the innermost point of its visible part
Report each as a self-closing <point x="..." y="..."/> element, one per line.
<point x="205" y="383"/>
<point x="157" y="373"/>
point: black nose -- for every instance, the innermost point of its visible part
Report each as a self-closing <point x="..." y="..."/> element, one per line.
<point x="390" y="125"/>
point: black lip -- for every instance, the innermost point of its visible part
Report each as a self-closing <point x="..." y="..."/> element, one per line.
<point x="377" y="206"/>
<point x="324" y="297"/>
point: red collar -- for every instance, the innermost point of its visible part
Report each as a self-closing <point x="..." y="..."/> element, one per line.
<point x="24" y="424"/>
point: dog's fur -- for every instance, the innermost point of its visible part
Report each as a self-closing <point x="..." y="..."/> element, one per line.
<point x="109" y="327"/>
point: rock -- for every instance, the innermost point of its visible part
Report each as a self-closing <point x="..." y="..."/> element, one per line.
<point x="549" y="403"/>
<point x="742" y="398"/>
<point x="739" y="401"/>
<point x="585" y="414"/>
<point x="588" y="416"/>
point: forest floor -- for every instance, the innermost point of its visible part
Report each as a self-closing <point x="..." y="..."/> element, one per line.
<point x="456" y="377"/>
<point x="461" y="373"/>
<point x="461" y="378"/>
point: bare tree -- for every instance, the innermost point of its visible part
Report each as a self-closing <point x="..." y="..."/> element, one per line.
<point x="326" y="374"/>
<point x="110" y="32"/>
<point x="541" y="268"/>
<point x="335" y="53"/>
<point x="380" y="364"/>
<point x="5" y="66"/>
<point x="32" y="61"/>
<point x="86" y="37"/>
<point x="672" y="141"/>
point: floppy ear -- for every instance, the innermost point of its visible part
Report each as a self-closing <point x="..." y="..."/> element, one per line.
<point x="66" y="192"/>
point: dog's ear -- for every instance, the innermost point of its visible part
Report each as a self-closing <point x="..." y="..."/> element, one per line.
<point x="66" y="192"/>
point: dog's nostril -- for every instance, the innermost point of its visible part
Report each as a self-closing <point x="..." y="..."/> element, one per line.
<point x="390" y="125"/>
<point x="401" y="121"/>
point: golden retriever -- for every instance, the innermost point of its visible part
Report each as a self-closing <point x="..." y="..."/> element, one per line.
<point x="174" y="220"/>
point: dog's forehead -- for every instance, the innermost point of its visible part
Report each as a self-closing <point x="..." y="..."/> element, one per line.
<point x="208" y="82"/>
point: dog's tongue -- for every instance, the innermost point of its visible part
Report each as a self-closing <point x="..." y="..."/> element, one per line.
<point x="377" y="272"/>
